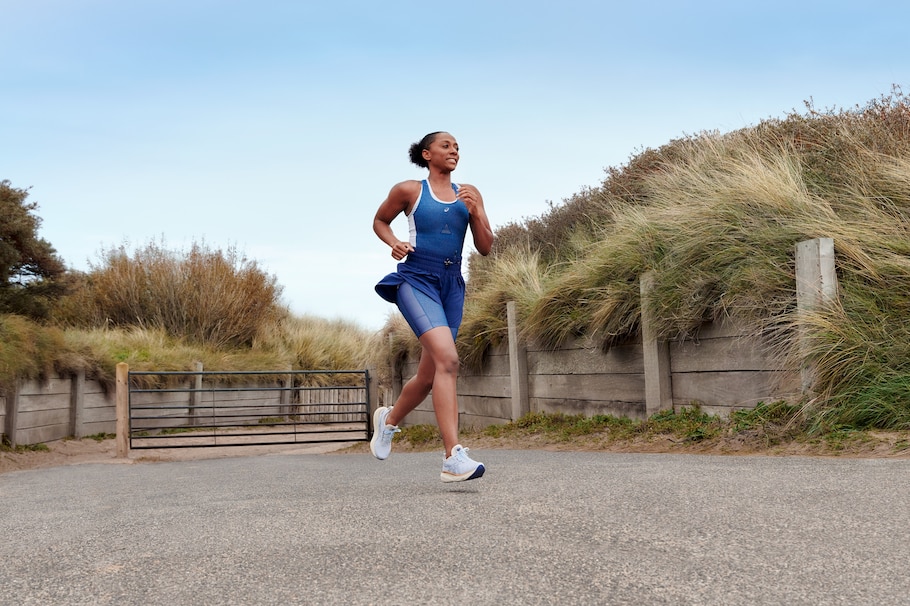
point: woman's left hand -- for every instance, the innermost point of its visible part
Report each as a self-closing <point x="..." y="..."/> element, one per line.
<point x="471" y="198"/>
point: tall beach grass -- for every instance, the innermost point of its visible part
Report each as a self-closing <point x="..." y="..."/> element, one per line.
<point x="715" y="217"/>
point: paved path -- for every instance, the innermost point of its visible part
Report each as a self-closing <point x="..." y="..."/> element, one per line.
<point x="539" y="528"/>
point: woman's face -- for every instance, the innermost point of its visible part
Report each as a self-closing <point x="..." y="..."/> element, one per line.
<point x="442" y="152"/>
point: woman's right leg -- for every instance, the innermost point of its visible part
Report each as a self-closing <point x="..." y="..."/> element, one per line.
<point x="438" y="367"/>
<point x="422" y="314"/>
<point x="437" y="371"/>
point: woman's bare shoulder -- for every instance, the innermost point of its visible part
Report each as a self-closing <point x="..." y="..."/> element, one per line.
<point x="407" y="187"/>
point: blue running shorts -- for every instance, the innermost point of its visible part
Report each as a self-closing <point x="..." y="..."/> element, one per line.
<point x="429" y="292"/>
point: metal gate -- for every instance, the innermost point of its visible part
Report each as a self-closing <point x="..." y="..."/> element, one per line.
<point x="187" y="409"/>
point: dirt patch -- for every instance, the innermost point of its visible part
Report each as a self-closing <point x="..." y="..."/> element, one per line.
<point x="75" y="452"/>
<point x="60" y="452"/>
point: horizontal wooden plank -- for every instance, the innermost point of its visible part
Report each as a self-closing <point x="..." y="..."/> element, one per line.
<point x="494" y="387"/>
<point x="51" y="386"/>
<point x="427" y="404"/>
<point x="94" y="387"/>
<point x="736" y="388"/>
<point x="99" y="415"/>
<point x="96" y="427"/>
<point x="632" y="410"/>
<point x="498" y="367"/>
<point x="480" y="422"/>
<point x="624" y="359"/>
<point x="421" y="417"/>
<point x="725" y="354"/>
<point x="39" y="435"/>
<point x="500" y="408"/>
<point x="42" y="418"/>
<point x="39" y="402"/>
<point x="623" y="388"/>
<point x="493" y="365"/>
<point x="97" y="400"/>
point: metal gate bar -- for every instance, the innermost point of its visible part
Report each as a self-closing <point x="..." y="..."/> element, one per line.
<point x="256" y="413"/>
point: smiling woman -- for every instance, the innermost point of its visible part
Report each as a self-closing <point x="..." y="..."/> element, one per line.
<point x="429" y="290"/>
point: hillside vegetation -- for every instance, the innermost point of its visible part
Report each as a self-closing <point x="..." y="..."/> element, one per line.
<point x="716" y="217"/>
<point x="160" y="309"/>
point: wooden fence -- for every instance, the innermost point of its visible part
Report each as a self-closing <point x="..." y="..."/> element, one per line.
<point x="40" y="411"/>
<point x="723" y="370"/>
<point x="71" y="406"/>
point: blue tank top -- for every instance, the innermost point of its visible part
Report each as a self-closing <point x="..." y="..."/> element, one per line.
<point x="436" y="227"/>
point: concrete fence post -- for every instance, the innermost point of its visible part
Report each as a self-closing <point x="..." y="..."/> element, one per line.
<point x="658" y="386"/>
<point x="11" y="426"/>
<point x="816" y="287"/>
<point x="123" y="410"/>
<point x="77" y="404"/>
<point x="518" y="366"/>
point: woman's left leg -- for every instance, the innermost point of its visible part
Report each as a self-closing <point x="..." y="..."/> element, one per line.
<point x="440" y="346"/>
<point x="414" y="391"/>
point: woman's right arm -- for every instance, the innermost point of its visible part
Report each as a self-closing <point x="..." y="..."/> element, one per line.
<point x="399" y="200"/>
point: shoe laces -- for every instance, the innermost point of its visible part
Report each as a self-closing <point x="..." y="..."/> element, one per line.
<point x="388" y="433"/>
<point x="461" y="454"/>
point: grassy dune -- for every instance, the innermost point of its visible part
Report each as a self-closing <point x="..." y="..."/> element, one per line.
<point x="716" y="217"/>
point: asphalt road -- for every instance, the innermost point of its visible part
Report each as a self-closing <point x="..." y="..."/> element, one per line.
<point x="538" y="528"/>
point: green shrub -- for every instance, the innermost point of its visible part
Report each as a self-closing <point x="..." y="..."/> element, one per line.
<point x="30" y="270"/>
<point x="213" y="297"/>
<point x="27" y="350"/>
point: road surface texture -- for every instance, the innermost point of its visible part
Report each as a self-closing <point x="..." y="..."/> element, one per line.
<point x="539" y="528"/>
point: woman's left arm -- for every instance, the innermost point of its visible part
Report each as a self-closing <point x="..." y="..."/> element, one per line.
<point x="480" y="224"/>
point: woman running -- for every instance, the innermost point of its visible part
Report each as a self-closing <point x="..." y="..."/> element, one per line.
<point x="429" y="290"/>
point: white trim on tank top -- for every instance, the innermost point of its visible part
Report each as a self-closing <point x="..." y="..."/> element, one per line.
<point x="412" y="225"/>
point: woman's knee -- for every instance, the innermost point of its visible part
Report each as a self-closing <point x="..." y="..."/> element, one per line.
<point x="440" y="347"/>
<point x="448" y="363"/>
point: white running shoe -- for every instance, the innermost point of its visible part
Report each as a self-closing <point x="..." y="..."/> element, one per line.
<point x="381" y="443"/>
<point x="460" y="467"/>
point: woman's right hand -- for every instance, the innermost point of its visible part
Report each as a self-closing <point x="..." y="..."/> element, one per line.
<point x="401" y="249"/>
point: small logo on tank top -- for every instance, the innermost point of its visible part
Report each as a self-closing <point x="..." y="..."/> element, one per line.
<point x="446" y="230"/>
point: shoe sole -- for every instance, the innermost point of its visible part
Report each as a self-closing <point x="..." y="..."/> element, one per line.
<point x="451" y="477"/>
<point x="376" y="432"/>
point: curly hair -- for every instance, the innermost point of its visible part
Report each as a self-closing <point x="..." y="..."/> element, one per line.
<point x="415" y="152"/>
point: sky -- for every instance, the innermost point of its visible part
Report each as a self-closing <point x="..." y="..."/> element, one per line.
<point x="277" y="127"/>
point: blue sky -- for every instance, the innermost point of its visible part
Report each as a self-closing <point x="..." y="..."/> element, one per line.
<point x="277" y="127"/>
